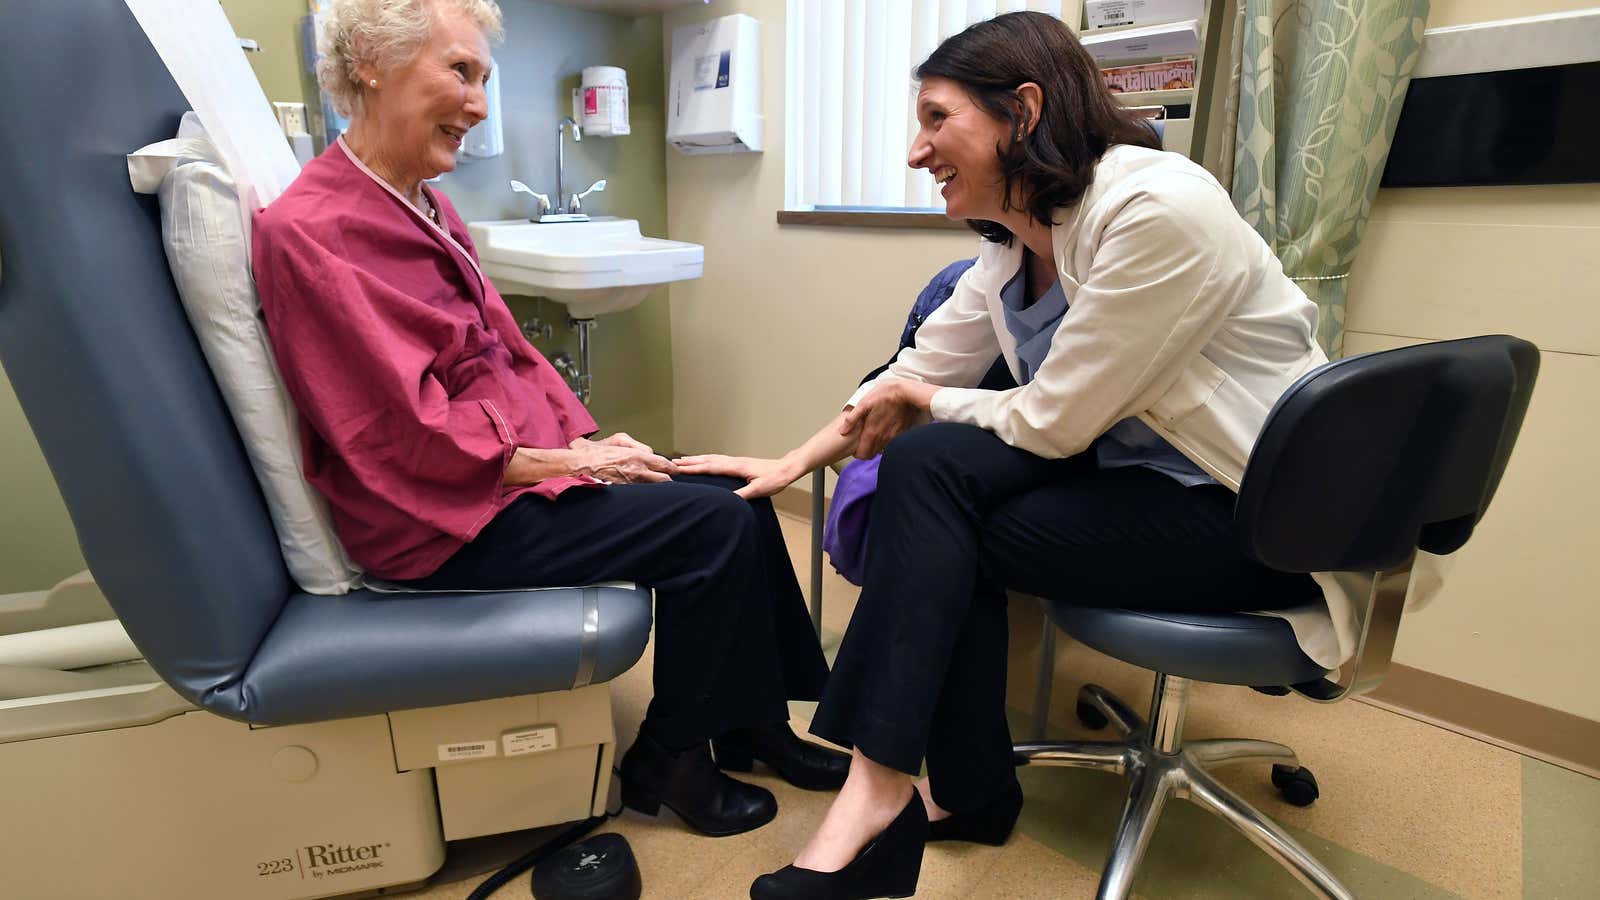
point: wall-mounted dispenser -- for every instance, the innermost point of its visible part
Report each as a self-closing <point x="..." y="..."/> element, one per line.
<point x="600" y="103"/>
<point x="714" y="99"/>
<point x="487" y="138"/>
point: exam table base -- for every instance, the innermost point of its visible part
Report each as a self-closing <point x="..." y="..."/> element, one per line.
<point x="1159" y="766"/>
<point x="198" y="806"/>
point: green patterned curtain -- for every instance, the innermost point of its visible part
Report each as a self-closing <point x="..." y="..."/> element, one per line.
<point x="1315" y="93"/>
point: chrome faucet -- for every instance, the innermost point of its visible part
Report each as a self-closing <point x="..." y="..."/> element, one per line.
<point x="563" y="209"/>
<point x="561" y="159"/>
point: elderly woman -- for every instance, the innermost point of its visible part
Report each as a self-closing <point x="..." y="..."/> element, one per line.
<point x="455" y="458"/>
<point x="1150" y="330"/>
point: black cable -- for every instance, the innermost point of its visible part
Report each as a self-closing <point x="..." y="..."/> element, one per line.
<point x="539" y="854"/>
<point x="533" y="857"/>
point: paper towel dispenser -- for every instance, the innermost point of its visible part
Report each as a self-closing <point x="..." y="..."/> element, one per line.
<point x="714" y="99"/>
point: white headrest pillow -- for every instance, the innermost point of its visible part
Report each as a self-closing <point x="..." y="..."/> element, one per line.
<point x="207" y="250"/>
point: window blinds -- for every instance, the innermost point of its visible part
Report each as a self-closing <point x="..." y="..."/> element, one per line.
<point x="850" y="102"/>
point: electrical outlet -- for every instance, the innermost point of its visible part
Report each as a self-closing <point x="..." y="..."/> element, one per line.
<point x="291" y="117"/>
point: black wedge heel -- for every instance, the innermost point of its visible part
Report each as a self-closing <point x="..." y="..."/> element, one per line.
<point x="887" y="867"/>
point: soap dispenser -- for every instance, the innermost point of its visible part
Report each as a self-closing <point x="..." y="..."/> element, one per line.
<point x="487" y="138"/>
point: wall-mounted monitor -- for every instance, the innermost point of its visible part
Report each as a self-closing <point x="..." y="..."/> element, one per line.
<point x="1508" y="102"/>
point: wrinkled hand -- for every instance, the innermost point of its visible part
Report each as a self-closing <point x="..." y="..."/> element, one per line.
<point x="623" y="439"/>
<point x="765" y="477"/>
<point x="620" y="464"/>
<point x="885" y="412"/>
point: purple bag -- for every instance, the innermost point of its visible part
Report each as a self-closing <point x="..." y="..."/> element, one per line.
<point x="844" y="536"/>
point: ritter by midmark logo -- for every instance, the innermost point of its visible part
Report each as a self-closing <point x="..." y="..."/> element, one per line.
<point x="323" y="860"/>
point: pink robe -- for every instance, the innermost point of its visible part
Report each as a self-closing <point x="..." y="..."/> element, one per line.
<point x="413" y="382"/>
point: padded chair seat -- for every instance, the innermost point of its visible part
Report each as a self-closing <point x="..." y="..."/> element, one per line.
<point x="1227" y="648"/>
<point x="365" y="652"/>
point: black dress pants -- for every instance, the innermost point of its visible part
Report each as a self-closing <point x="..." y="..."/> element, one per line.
<point x="733" y="637"/>
<point x="959" y="516"/>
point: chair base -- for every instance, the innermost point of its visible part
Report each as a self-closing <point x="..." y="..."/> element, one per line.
<point x="1160" y="766"/>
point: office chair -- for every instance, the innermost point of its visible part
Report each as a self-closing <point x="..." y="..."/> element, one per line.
<point x="1361" y="464"/>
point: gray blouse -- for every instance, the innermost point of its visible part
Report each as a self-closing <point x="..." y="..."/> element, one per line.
<point x="1129" y="442"/>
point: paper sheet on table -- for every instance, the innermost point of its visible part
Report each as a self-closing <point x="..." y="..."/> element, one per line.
<point x="200" y="49"/>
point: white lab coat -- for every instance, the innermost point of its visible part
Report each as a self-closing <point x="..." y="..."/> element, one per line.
<point x="1180" y="314"/>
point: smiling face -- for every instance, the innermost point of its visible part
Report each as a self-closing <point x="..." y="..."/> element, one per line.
<point x="422" y="110"/>
<point x="957" y="142"/>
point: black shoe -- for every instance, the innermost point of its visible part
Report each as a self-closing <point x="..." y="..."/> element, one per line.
<point x="690" y="784"/>
<point x="887" y="867"/>
<point x="990" y="825"/>
<point x="803" y="764"/>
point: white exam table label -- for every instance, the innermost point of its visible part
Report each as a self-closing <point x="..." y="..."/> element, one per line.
<point x="529" y="740"/>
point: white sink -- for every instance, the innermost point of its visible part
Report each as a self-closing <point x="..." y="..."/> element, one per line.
<point x="600" y="266"/>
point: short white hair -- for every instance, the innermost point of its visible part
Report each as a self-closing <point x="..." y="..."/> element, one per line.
<point x="383" y="34"/>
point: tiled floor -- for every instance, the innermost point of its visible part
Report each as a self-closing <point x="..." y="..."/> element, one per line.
<point x="1407" y="810"/>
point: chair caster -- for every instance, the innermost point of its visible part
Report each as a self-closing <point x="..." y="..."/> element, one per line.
<point x="1092" y="718"/>
<point x="1296" y="783"/>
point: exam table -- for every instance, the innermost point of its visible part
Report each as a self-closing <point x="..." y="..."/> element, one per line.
<point x="209" y="730"/>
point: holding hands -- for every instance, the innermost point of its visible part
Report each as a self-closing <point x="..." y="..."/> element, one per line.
<point x="864" y="430"/>
<point x="889" y="409"/>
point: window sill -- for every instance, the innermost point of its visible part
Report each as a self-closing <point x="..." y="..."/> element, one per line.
<point x="840" y="219"/>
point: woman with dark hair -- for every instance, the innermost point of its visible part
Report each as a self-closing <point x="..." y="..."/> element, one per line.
<point x="1150" y="330"/>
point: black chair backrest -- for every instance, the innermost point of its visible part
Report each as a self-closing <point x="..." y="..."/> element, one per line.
<point x="1368" y="459"/>
<point x="109" y="374"/>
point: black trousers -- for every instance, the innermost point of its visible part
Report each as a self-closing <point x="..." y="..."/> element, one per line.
<point x="959" y="516"/>
<point x="733" y="637"/>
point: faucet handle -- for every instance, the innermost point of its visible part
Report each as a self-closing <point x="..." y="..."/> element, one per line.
<point x="577" y="205"/>
<point x="544" y="201"/>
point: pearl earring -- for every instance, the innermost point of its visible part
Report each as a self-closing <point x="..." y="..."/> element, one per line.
<point x="373" y="82"/>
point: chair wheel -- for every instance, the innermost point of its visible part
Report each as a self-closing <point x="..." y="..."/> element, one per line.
<point x="1297" y="785"/>
<point x="1091" y="717"/>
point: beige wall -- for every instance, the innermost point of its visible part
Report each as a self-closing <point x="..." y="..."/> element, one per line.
<point x="1518" y="614"/>
<point x="769" y="343"/>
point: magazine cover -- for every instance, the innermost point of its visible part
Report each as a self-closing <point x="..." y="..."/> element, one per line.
<point x="1160" y="76"/>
